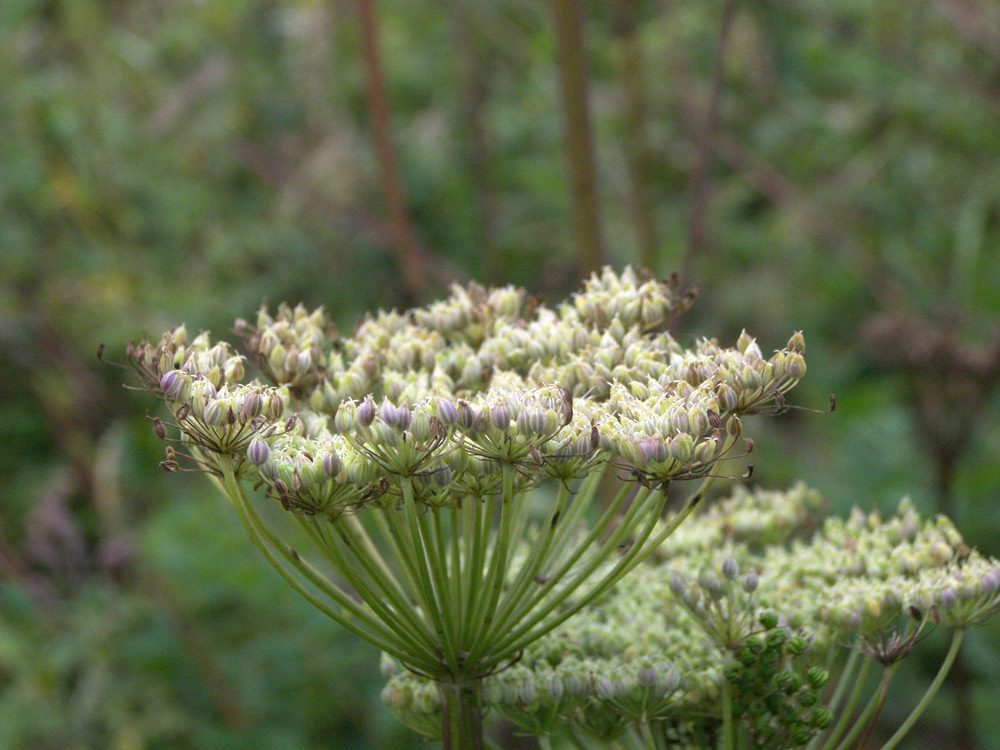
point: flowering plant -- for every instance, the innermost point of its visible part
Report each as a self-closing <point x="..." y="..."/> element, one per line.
<point x="443" y="468"/>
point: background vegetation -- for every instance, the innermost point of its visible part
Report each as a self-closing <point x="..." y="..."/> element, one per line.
<point x="831" y="166"/>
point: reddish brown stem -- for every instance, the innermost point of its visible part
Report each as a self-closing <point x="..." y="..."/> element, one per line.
<point x="568" y="23"/>
<point x="699" y="178"/>
<point x="409" y="253"/>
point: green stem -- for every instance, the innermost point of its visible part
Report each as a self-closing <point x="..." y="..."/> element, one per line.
<point x="463" y="715"/>
<point x="728" y="726"/>
<point x="949" y="659"/>
<point x="371" y="630"/>
<point x="870" y="709"/>
<point x="852" y="700"/>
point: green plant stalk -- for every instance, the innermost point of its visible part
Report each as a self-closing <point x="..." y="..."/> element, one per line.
<point x="462" y="716"/>
<point x="435" y="552"/>
<point x="486" y="608"/>
<point x="870" y="709"/>
<point x="728" y="725"/>
<point x="949" y="660"/>
<point x="647" y="736"/>
<point x="558" y="545"/>
<point x="422" y="562"/>
<point x="371" y="630"/>
<point x="852" y="700"/>
<point x="391" y="610"/>
<point x="638" y="551"/>
<point x="533" y="610"/>
<point x="515" y="604"/>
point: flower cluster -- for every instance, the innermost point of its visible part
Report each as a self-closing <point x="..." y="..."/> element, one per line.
<point x="750" y="600"/>
<point x="448" y="393"/>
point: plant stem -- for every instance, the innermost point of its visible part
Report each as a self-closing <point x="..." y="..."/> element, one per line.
<point x="949" y="659"/>
<point x="463" y="715"/>
<point x="728" y="727"/>
<point x="852" y="699"/>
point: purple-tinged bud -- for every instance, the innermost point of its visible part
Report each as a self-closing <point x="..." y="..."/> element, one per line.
<point x="582" y="445"/>
<point x="500" y="417"/>
<point x="252" y="406"/>
<point x="677" y="586"/>
<point x="466" y="415"/>
<point x="275" y="407"/>
<point x="366" y="412"/>
<point x="172" y="383"/>
<point x="647" y="677"/>
<point x="257" y="452"/>
<point x="447" y="412"/>
<point x="796" y="366"/>
<point x="388" y="413"/>
<point x="990" y="581"/>
<point x="403" y="416"/>
<point x="750" y="582"/>
<point x="730" y="568"/>
<point x="531" y="421"/>
<point x="949" y="598"/>
<point x="727" y="397"/>
<point x="331" y="464"/>
<point x="605" y="689"/>
<point x="215" y="412"/>
<point x="643" y="451"/>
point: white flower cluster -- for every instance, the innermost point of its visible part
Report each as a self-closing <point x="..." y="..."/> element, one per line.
<point x="752" y="572"/>
<point x="447" y="394"/>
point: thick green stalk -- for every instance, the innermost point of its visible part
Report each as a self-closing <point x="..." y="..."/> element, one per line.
<point x="462" y="716"/>
<point x="728" y="725"/>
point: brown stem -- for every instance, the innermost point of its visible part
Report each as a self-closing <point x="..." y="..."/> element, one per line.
<point x="699" y="178"/>
<point x="480" y="156"/>
<point x="636" y="141"/>
<point x="409" y="253"/>
<point x="568" y="24"/>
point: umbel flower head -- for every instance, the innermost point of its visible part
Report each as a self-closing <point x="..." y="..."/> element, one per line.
<point x="407" y="453"/>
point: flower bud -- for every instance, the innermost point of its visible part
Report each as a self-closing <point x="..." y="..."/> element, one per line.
<point x="172" y="383"/>
<point x="730" y="568"/>
<point x="331" y="464"/>
<point x="366" y="412"/>
<point x="750" y="582"/>
<point x="446" y="412"/>
<point x="344" y="419"/>
<point x="258" y="452"/>
<point x="500" y="417"/>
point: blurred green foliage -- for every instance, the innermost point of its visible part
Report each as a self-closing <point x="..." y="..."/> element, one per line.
<point x="183" y="161"/>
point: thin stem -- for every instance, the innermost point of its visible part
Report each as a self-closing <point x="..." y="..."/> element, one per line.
<point x="371" y="631"/>
<point x="862" y="720"/>
<point x="728" y="727"/>
<point x="949" y="659"/>
<point x="414" y="543"/>
<point x="852" y="700"/>
<point x="498" y="564"/>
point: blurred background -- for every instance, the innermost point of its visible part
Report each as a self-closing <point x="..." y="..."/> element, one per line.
<point x="825" y="165"/>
